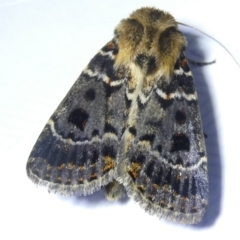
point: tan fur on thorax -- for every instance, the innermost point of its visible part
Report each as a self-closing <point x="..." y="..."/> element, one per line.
<point x="152" y="33"/>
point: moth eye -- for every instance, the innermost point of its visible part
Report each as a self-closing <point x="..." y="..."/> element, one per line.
<point x="180" y="117"/>
<point x="79" y="118"/>
<point x="89" y="95"/>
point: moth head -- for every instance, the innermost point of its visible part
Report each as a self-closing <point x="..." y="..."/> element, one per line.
<point x="150" y="39"/>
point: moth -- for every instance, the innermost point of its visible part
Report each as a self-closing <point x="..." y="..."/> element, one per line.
<point x="131" y="124"/>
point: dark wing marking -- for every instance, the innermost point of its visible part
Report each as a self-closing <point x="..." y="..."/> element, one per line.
<point x="166" y="165"/>
<point x="77" y="149"/>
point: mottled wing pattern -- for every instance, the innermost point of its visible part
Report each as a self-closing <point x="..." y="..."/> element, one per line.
<point x="131" y="122"/>
<point x="162" y="163"/>
<point x="76" y="152"/>
<point x="166" y="165"/>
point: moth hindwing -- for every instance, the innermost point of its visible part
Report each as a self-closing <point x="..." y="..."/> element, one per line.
<point x="131" y="122"/>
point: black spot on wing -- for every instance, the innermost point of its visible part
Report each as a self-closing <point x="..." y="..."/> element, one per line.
<point x="128" y="102"/>
<point x="147" y="137"/>
<point x="138" y="159"/>
<point x="159" y="148"/>
<point x="110" y="151"/>
<point x="185" y="188"/>
<point x="150" y="169"/>
<point x="193" y="187"/>
<point x="109" y="90"/>
<point x="109" y="129"/>
<point x="71" y="135"/>
<point x="179" y="161"/>
<point x="89" y="94"/>
<point x="79" y="118"/>
<point x="180" y="117"/>
<point x="180" y="142"/>
<point x="164" y="103"/>
<point x="95" y="132"/>
<point x="169" y="88"/>
<point x="132" y="130"/>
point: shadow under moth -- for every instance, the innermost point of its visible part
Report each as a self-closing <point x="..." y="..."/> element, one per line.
<point x="131" y="124"/>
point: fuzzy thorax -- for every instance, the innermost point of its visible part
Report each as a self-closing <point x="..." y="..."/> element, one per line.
<point x="150" y="39"/>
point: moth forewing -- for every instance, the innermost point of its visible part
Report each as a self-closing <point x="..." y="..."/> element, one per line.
<point x="131" y="122"/>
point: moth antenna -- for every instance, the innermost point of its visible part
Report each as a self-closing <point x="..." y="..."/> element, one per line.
<point x="200" y="63"/>
<point x="214" y="39"/>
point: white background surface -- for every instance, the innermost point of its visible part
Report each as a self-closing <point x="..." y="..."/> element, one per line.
<point x="44" y="45"/>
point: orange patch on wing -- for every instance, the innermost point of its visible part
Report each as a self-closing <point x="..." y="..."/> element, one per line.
<point x="70" y="166"/>
<point x="61" y="166"/>
<point x="135" y="168"/>
<point x="169" y="96"/>
<point x="109" y="163"/>
<point x="165" y="188"/>
<point x="81" y="168"/>
<point x="93" y="176"/>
